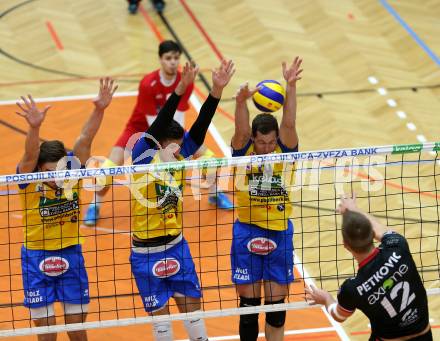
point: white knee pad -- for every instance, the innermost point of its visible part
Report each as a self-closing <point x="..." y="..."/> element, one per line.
<point x="42" y="312"/>
<point x="163" y="331"/>
<point x="196" y="329"/>
<point x="71" y="309"/>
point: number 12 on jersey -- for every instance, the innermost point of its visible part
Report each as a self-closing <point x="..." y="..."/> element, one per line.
<point x="407" y="298"/>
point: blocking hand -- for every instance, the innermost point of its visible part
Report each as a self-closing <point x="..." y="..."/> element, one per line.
<point x="31" y="113"/>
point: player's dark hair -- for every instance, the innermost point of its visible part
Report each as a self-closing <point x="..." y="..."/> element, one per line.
<point x="167" y="46"/>
<point x="264" y="123"/>
<point x="51" y="151"/>
<point x="172" y="132"/>
<point x="357" y="232"/>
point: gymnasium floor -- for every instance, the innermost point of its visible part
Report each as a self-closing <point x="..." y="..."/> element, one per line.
<point x="346" y="46"/>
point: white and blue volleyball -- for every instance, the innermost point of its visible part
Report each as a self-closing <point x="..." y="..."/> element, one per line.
<point x="270" y="97"/>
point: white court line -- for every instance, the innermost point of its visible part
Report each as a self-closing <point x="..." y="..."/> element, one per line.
<point x="421" y="138"/>
<point x="391" y="102"/>
<point x="69" y="98"/>
<point x="373" y="80"/>
<point x="411" y="126"/>
<point x="106" y="229"/>
<point x="194" y="101"/>
<point x="382" y="91"/>
<point x="287" y="332"/>
<point x="401" y="114"/>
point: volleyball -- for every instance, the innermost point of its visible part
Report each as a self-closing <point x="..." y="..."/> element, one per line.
<point x="270" y="97"/>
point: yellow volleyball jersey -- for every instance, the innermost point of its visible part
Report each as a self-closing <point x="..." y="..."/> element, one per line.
<point x="263" y="197"/>
<point x="51" y="219"/>
<point x="156" y="205"/>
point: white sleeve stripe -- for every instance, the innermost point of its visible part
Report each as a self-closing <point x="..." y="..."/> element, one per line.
<point x="333" y="311"/>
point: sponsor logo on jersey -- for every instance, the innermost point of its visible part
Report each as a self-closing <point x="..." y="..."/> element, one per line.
<point x="54" y="266"/>
<point x="261" y="246"/>
<point x="379" y="275"/>
<point x="409" y="317"/>
<point x="387" y="284"/>
<point x="166" y="267"/>
<point x="265" y="179"/>
<point x="54" y="207"/>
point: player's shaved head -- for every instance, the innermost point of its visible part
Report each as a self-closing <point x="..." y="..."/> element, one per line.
<point x="51" y="151"/>
<point x="357" y="232"/>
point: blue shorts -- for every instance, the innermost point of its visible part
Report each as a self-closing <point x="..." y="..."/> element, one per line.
<point x="261" y="254"/>
<point x="50" y="276"/>
<point x="160" y="275"/>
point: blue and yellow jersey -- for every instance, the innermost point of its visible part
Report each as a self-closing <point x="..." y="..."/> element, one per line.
<point x="262" y="191"/>
<point x="156" y="204"/>
<point x="51" y="217"/>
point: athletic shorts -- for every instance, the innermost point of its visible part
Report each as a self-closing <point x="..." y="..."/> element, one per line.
<point x="50" y="276"/>
<point x="127" y="133"/>
<point x="164" y="274"/>
<point x="261" y="254"/>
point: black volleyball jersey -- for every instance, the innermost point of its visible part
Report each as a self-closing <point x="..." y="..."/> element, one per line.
<point x="388" y="289"/>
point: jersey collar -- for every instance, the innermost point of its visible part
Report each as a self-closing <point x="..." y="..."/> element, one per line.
<point x="165" y="82"/>
<point x="370" y="257"/>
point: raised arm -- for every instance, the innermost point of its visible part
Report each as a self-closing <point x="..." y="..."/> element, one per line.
<point x="34" y="118"/>
<point x="166" y="114"/>
<point x="220" y="78"/>
<point x="347" y="203"/>
<point x="83" y="144"/>
<point x="242" y="132"/>
<point x="288" y="134"/>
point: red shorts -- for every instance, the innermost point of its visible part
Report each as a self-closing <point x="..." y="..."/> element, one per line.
<point x="126" y="134"/>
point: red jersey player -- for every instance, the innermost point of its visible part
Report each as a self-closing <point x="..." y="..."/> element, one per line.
<point x="154" y="90"/>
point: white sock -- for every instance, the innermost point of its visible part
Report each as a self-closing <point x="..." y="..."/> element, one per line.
<point x="97" y="200"/>
<point x="211" y="180"/>
<point x="212" y="191"/>
<point x="162" y="331"/>
<point x="196" y="329"/>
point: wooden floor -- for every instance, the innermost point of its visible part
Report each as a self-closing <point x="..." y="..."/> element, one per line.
<point x="377" y="83"/>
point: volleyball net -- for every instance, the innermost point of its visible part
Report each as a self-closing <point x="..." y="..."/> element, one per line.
<point x="397" y="184"/>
